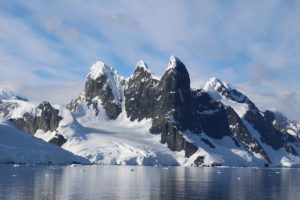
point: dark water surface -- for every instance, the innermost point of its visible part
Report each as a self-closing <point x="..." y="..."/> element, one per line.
<point x="127" y="182"/>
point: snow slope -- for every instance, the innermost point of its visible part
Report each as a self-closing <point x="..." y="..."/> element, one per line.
<point x="224" y="151"/>
<point x="125" y="142"/>
<point x="20" y="147"/>
<point x="117" y="142"/>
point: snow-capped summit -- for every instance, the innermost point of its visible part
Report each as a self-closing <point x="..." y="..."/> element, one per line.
<point x="108" y="77"/>
<point x="218" y="89"/>
<point x="10" y="95"/>
<point x="175" y="77"/>
<point x="223" y="92"/>
<point x="142" y="64"/>
<point x="173" y="61"/>
<point x="98" y="69"/>
<point x="103" y="89"/>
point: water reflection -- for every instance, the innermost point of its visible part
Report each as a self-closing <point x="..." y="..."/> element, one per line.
<point x="126" y="182"/>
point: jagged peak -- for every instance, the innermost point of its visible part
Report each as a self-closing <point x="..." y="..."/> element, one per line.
<point x="216" y="83"/>
<point x="176" y="76"/>
<point x="142" y="64"/>
<point x="173" y="62"/>
<point x="217" y="88"/>
<point x="100" y="68"/>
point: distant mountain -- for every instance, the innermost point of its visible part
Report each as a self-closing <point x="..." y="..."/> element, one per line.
<point x="10" y="95"/>
<point x="146" y="120"/>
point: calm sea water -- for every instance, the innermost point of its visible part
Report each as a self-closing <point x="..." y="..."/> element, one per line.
<point x="127" y="182"/>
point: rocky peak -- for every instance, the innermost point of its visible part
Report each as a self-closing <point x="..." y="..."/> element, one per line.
<point x="45" y="106"/>
<point x="103" y="77"/>
<point x="140" y="93"/>
<point x="218" y="89"/>
<point x="104" y="86"/>
<point x="176" y="77"/>
<point x="46" y="118"/>
<point x="141" y="71"/>
<point x="99" y="69"/>
<point x="173" y="62"/>
<point x="142" y="65"/>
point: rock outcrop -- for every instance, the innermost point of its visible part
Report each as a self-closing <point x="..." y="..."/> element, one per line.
<point x="47" y="119"/>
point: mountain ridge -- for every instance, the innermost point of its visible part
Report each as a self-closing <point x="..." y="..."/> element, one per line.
<point x="212" y="126"/>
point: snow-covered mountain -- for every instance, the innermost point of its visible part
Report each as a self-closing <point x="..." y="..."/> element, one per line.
<point x="146" y="120"/>
<point x="9" y="95"/>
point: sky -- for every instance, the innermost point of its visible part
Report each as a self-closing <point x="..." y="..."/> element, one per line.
<point x="47" y="47"/>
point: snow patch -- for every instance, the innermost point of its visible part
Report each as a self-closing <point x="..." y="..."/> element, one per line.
<point x="172" y="62"/>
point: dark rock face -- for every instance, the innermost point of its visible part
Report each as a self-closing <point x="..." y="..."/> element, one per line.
<point x="99" y="88"/>
<point x="175" y="140"/>
<point x="58" y="140"/>
<point x="164" y="101"/>
<point x="140" y="95"/>
<point x="263" y="124"/>
<point x="282" y="124"/>
<point x="241" y="134"/>
<point x="102" y="86"/>
<point x="48" y="119"/>
<point x="28" y="123"/>
<point x="199" y="160"/>
<point x="174" y="107"/>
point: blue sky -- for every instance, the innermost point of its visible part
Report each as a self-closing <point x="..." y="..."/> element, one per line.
<point x="47" y="47"/>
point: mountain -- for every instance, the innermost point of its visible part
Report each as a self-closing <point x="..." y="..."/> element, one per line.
<point x="146" y="120"/>
<point x="9" y="95"/>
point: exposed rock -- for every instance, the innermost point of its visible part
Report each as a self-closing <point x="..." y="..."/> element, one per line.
<point x="48" y="119"/>
<point x="103" y="86"/>
<point x="58" y="140"/>
<point x="140" y="94"/>
<point x="241" y="134"/>
<point x="199" y="160"/>
<point x="175" y="140"/>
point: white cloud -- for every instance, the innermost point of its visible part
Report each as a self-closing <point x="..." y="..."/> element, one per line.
<point x="252" y="44"/>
